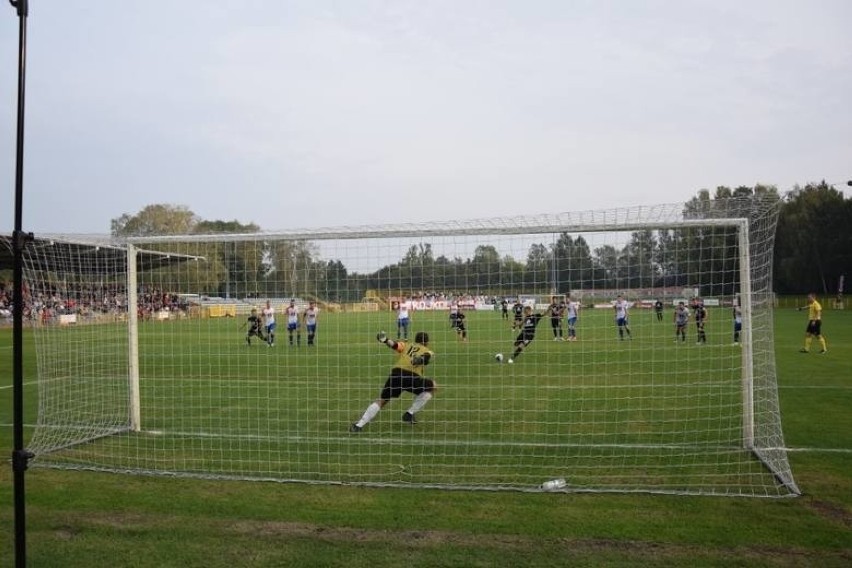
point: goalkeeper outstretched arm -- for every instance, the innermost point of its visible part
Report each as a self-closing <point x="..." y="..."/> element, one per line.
<point x="382" y="337"/>
<point x="399" y="346"/>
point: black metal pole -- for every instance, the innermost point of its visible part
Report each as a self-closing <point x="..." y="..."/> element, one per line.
<point x="20" y="456"/>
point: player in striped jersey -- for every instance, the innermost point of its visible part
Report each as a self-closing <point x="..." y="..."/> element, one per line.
<point x="738" y="321"/>
<point x="310" y="319"/>
<point x="292" y="313"/>
<point x="269" y="323"/>
<point x="621" y="317"/>
<point x="403" y="320"/>
<point x="573" y="311"/>
<point x="681" y="319"/>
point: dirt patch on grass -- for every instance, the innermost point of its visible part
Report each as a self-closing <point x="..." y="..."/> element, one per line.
<point x="65" y="533"/>
<point x="511" y="546"/>
<point x="636" y="551"/>
<point x="830" y="511"/>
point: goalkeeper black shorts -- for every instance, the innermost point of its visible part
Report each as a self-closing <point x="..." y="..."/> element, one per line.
<point x="401" y="380"/>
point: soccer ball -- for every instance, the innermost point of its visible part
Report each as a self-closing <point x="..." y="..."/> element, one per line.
<point x="499" y="357"/>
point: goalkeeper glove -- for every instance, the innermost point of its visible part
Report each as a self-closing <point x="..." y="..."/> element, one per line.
<point x="418" y="360"/>
<point x="382" y="337"/>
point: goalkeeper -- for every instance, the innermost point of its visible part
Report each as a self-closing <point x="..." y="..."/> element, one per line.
<point x="406" y="375"/>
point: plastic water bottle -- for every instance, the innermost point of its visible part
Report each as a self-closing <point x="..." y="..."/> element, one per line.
<point x="553" y="484"/>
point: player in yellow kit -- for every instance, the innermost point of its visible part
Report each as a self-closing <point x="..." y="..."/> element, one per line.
<point x="406" y="375"/>
<point x="814" y="328"/>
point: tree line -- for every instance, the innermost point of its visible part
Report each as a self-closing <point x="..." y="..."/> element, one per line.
<point x="813" y="248"/>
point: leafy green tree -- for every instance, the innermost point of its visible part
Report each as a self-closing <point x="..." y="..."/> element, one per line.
<point x="573" y="263"/>
<point x="289" y="269"/>
<point x="155" y="220"/>
<point x="486" y="266"/>
<point x="666" y="258"/>
<point x="242" y="259"/>
<point x="443" y="274"/>
<point x="606" y="266"/>
<point x="538" y="269"/>
<point x="638" y="258"/>
<point x="712" y="252"/>
<point x="202" y="276"/>
<point x="224" y="227"/>
<point x="414" y="271"/>
<point x="511" y="276"/>
<point x="336" y="286"/>
<point x="814" y="240"/>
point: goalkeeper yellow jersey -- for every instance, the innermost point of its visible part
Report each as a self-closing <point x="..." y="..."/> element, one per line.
<point x="814" y="311"/>
<point x="409" y="353"/>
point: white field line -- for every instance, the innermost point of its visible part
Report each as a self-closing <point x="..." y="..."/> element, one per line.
<point x="462" y="443"/>
<point x="817" y="387"/>
<point x="822" y="450"/>
<point x="26" y="384"/>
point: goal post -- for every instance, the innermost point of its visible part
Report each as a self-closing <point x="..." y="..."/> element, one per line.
<point x="134" y="397"/>
<point x="164" y="371"/>
<point x="748" y="354"/>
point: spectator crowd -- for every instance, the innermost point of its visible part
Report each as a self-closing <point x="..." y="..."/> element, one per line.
<point x="48" y="301"/>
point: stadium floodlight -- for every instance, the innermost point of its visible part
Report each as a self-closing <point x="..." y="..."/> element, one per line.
<point x="156" y="374"/>
<point x="20" y="455"/>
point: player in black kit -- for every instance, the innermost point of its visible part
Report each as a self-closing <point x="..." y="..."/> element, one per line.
<point x="700" y="315"/>
<point x="528" y="324"/>
<point x="254" y="327"/>
<point x="518" y="312"/>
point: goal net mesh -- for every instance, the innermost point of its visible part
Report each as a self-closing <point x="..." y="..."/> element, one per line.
<point x="144" y="363"/>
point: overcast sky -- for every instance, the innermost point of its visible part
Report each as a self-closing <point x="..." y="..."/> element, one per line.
<point x="316" y="113"/>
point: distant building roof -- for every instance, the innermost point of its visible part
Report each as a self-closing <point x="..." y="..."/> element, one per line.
<point x="86" y="254"/>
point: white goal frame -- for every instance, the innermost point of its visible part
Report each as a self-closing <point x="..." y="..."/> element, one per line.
<point x="768" y="448"/>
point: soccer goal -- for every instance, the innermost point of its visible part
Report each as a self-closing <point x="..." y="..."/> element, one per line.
<point x="159" y="355"/>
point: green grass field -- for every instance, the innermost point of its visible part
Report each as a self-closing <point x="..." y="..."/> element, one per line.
<point x="269" y="403"/>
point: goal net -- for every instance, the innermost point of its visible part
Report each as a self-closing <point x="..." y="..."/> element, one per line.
<point x="146" y="363"/>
